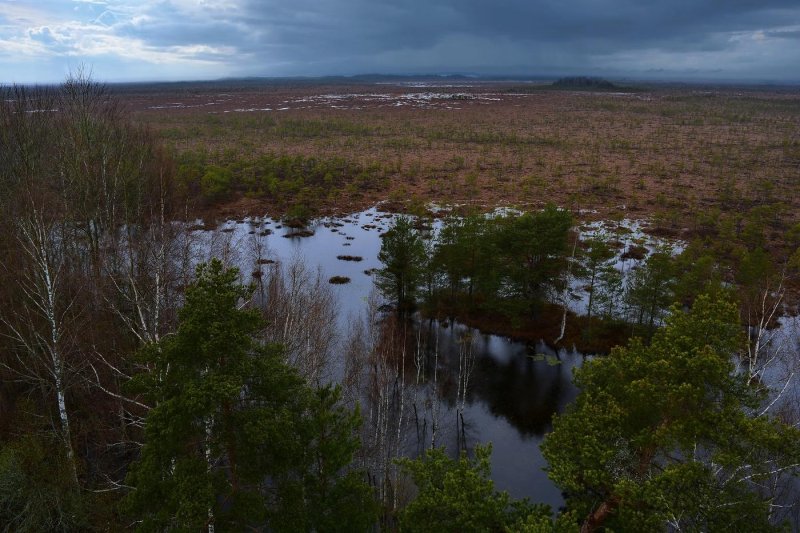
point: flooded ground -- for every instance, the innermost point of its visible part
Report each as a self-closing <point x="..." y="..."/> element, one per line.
<point x="513" y="388"/>
<point x="510" y="398"/>
<point x="249" y="103"/>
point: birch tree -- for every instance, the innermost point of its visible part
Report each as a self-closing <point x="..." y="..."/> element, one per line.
<point x="375" y="377"/>
<point x="300" y="312"/>
<point x="44" y="328"/>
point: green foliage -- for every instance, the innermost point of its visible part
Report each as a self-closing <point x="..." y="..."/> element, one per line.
<point x="215" y="184"/>
<point x="650" y="289"/>
<point x="223" y="413"/>
<point x="504" y="265"/>
<point x="465" y="255"/>
<point x="404" y="259"/>
<point x="542" y="523"/>
<point x="755" y="271"/>
<point x="531" y="248"/>
<point x="297" y="181"/>
<point x="228" y="415"/>
<point x="662" y="432"/>
<point x="300" y="211"/>
<point x="699" y="271"/>
<point x="753" y="232"/>
<point x="321" y="495"/>
<point x="37" y="490"/>
<point x="597" y="267"/>
<point x="191" y="167"/>
<point x="458" y="495"/>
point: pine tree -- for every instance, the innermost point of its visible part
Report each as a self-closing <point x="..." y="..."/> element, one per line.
<point x="235" y="438"/>
<point x="670" y="434"/>
<point x="322" y="494"/>
<point x="403" y="256"/>
<point x="531" y="253"/>
<point x="224" y="417"/>
<point x="459" y="495"/>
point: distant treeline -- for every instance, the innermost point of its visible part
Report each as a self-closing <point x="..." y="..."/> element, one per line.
<point x="584" y="82"/>
<point x="576" y="83"/>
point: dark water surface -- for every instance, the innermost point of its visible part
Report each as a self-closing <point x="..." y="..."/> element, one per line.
<point x="511" y="397"/>
<point x="510" y="402"/>
<point x="512" y="392"/>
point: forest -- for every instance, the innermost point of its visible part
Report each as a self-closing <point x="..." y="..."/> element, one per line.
<point x="150" y="382"/>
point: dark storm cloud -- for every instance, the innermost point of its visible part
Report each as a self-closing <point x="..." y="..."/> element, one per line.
<point x="357" y="32"/>
<point x="419" y="22"/>
<point x="718" y="38"/>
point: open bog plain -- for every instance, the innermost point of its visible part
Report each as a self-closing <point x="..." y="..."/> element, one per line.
<point x="695" y="162"/>
<point x="669" y="152"/>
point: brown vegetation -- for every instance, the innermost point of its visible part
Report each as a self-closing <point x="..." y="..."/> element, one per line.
<point x="700" y="163"/>
<point x="667" y="151"/>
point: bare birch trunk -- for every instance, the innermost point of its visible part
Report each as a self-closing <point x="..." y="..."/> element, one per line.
<point x="42" y="286"/>
<point x="564" y="294"/>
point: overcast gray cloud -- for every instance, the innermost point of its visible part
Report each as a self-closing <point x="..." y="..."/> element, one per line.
<point x="200" y="39"/>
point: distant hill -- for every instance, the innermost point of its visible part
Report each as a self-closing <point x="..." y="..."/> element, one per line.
<point x="575" y="83"/>
<point x="585" y="83"/>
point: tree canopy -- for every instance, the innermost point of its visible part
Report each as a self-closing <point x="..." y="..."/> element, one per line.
<point x="234" y="434"/>
<point x="668" y="433"/>
<point x="459" y="495"/>
<point x="403" y="256"/>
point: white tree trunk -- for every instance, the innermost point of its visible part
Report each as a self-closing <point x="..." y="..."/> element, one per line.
<point x="565" y="293"/>
<point x="42" y="285"/>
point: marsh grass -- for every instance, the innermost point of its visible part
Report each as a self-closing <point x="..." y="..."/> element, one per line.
<point x="663" y="152"/>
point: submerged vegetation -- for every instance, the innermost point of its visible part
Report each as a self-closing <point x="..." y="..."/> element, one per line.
<point x="146" y="387"/>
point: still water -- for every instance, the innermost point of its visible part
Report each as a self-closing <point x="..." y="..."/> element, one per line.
<point x="513" y="392"/>
<point x="510" y="398"/>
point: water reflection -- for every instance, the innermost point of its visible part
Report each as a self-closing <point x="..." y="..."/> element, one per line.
<point x="524" y="392"/>
<point x="470" y="387"/>
<point x="510" y="379"/>
<point x="508" y="397"/>
<point x="511" y="397"/>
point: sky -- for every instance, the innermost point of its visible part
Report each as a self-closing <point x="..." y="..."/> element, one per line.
<point x="42" y="41"/>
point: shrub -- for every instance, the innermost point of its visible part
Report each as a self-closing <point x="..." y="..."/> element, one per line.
<point x="216" y="183"/>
